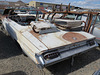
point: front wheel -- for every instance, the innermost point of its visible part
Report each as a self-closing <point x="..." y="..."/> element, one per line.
<point x="4" y="30"/>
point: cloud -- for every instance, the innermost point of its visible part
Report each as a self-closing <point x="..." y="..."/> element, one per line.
<point x="88" y="4"/>
<point x="9" y="0"/>
<point x="79" y="3"/>
<point x="92" y="0"/>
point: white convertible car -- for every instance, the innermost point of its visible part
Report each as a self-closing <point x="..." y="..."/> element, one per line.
<point x="42" y="41"/>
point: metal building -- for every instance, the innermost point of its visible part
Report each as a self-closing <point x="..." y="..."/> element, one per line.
<point x="45" y="5"/>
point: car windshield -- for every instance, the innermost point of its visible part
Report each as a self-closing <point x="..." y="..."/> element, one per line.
<point x="39" y="12"/>
<point x="35" y="12"/>
<point x="79" y="17"/>
<point x="32" y="12"/>
<point x="70" y="16"/>
<point x="22" y="10"/>
<point x="97" y="20"/>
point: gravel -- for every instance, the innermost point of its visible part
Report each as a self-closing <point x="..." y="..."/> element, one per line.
<point x="13" y="62"/>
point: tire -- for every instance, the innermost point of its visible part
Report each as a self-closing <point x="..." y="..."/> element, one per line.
<point x="3" y="30"/>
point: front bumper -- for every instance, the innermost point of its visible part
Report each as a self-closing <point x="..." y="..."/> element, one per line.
<point x="64" y="55"/>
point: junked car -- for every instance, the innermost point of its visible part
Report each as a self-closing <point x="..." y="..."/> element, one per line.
<point x="94" y="24"/>
<point x="91" y="21"/>
<point x="42" y="41"/>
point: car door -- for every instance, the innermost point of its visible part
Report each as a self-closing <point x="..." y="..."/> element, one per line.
<point x="11" y="29"/>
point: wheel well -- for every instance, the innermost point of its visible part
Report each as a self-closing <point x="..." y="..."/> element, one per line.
<point x="20" y="47"/>
<point x="17" y="44"/>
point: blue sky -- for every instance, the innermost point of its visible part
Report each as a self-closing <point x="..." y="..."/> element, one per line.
<point x="80" y="3"/>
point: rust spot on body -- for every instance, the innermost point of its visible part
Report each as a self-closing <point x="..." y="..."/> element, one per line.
<point x="2" y="16"/>
<point x="73" y="37"/>
<point x="34" y="34"/>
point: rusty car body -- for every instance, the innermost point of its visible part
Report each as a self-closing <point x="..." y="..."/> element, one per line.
<point x="42" y="41"/>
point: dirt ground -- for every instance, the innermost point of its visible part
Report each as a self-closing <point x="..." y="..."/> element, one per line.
<point x="13" y="62"/>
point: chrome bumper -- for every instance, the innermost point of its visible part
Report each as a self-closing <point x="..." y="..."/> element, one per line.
<point x="64" y="55"/>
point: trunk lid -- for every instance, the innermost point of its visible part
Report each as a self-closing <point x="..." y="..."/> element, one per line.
<point x="62" y="38"/>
